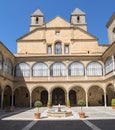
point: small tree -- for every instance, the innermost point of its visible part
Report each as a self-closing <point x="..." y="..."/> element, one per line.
<point x="81" y="103"/>
<point x="113" y="102"/>
<point x="38" y="104"/>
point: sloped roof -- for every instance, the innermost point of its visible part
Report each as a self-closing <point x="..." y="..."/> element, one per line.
<point x="77" y="11"/>
<point x="38" y="12"/>
<point x="110" y="20"/>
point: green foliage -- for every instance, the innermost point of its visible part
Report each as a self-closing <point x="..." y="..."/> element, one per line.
<point x="113" y="102"/>
<point x="38" y="104"/>
<point x="81" y="103"/>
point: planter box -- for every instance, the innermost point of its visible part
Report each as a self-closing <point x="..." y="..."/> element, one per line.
<point x="37" y="115"/>
<point x="81" y="114"/>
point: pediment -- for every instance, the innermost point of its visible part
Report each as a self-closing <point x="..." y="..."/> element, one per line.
<point x="58" y="22"/>
<point x="33" y="35"/>
<point x="82" y="34"/>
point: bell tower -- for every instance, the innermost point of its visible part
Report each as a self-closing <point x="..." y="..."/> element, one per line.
<point x="78" y="19"/>
<point x="111" y="29"/>
<point x="37" y="19"/>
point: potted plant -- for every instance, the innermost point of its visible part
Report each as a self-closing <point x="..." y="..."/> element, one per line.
<point x="37" y="104"/>
<point x="81" y="103"/>
<point x="113" y="103"/>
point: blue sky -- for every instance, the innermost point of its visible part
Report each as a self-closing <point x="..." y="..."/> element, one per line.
<point x="15" y="16"/>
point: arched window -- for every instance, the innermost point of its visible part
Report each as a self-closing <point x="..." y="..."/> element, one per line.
<point x="8" y="67"/>
<point x="94" y="69"/>
<point x="76" y="69"/>
<point x="40" y="69"/>
<point x="108" y="65"/>
<point x="23" y="70"/>
<point x="1" y="62"/>
<point x="113" y="30"/>
<point x="58" y="69"/>
<point x="114" y="62"/>
<point x="58" y="48"/>
<point x="37" y="20"/>
<point x="78" y="19"/>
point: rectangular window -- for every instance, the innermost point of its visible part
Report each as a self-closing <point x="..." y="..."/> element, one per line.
<point x="57" y="32"/>
<point x="66" y="49"/>
<point x="49" y="49"/>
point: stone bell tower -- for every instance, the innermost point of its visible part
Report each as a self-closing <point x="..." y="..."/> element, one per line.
<point x="111" y="29"/>
<point x="37" y="19"/>
<point x="78" y="19"/>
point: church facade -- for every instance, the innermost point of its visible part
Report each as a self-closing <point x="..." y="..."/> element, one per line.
<point x="59" y="62"/>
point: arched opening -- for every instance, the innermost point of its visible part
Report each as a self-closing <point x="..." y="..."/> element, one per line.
<point x="44" y="97"/>
<point x="108" y="65"/>
<point x="110" y="94"/>
<point x="76" y="69"/>
<point x="75" y="94"/>
<point x="21" y="97"/>
<point x="72" y="97"/>
<point x="0" y="95"/>
<point x="41" y="94"/>
<point x="58" y="48"/>
<point x="8" y="66"/>
<point x="58" y="69"/>
<point x="58" y="96"/>
<point x="37" y="20"/>
<point x="1" y="61"/>
<point x="40" y="69"/>
<point x="7" y="96"/>
<point x="22" y="70"/>
<point x="95" y="96"/>
<point x="94" y="69"/>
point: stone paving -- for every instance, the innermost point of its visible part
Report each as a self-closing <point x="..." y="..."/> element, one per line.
<point x="26" y="116"/>
<point x="90" y="112"/>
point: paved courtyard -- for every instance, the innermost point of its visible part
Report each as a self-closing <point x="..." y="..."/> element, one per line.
<point x="97" y="118"/>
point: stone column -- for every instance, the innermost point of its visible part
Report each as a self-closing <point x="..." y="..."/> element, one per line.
<point x="30" y="100"/>
<point x="49" y="99"/>
<point x="2" y="99"/>
<point x="67" y="73"/>
<point x="86" y="99"/>
<point x="113" y="62"/>
<point x="67" y="99"/>
<point x="12" y="103"/>
<point x="105" y="99"/>
<point x="85" y="69"/>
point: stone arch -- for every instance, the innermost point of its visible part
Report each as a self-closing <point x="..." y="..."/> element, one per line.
<point x="40" y="93"/>
<point x="78" y="94"/>
<point x="0" y="95"/>
<point x="58" y="47"/>
<point x="21" y="97"/>
<point x="8" y="66"/>
<point x="110" y="93"/>
<point x="7" y="96"/>
<point x="94" y="68"/>
<point x="108" y="65"/>
<point x="76" y="68"/>
<point x="1" y="61"/>
<point x="22" y="69"/>
<point x="58" y="69"/>
<point x="58" y="96"/>
<point x="40" y="69"/>
<point x="95" y="96"/>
